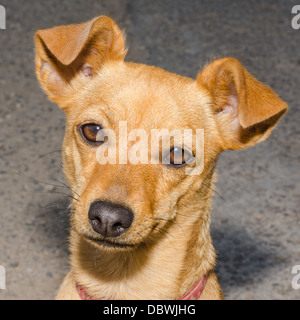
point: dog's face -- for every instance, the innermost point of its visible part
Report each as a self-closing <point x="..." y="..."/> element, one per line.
<point x="139" y="97"/>
<point x="126" y="187"/>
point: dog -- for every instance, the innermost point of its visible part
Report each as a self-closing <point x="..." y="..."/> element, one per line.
<point x="142" y="231"/>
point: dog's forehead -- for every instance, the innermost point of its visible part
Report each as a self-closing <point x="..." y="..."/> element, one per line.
<point x="146" y="96"/>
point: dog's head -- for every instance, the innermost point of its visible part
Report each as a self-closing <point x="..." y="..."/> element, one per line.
<point x="128" y="185"/>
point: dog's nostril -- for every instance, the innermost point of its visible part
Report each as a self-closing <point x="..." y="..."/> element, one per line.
<point x="117" y="226"/>
<point x="118" y="229"/>
<point x="95" y="222"/>
<point x="108" y="219"/>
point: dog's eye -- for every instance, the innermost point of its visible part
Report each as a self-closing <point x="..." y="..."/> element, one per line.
<point x="180" y="157"/>
<point x="90" y="132"/>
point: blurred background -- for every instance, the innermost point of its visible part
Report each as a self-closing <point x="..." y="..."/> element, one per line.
<point x="255" y="216"/>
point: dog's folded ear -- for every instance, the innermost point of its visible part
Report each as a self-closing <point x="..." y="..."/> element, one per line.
<point x="245" y="109"/>
<point x="65" y="51"/>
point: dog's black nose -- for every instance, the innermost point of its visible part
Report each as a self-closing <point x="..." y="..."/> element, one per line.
<point x="110" y="220"/>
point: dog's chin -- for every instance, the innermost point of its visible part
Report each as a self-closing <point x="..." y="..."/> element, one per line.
<point x="108" y="245"/>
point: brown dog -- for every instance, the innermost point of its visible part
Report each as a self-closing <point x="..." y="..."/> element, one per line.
<point x="142" y="231"/>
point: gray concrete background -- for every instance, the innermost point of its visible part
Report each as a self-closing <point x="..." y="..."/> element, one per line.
<point x="255" y="225"/>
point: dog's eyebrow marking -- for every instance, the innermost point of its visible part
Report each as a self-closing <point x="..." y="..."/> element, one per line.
<point x="103" y="105"/>
<point x="108" y="112"/>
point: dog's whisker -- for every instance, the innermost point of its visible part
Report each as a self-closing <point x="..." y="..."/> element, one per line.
<point x="174" y="220"/>
<point x="57" y="192"/>
<point x="162" y="229"/>
<point x="66" y="186"/>
<point x="179" y="225"/>
<point x="72" y="209"/>
<point x="52" y="212"/>
<point x="56" y="204"/>
<point x="47" y="183"/>
<point x="46" y="154"/>
<point x="145" y="241"/>
<point x="35" y="180"/>
<point x="215" y="191"/>
<point x="165" y="234"/>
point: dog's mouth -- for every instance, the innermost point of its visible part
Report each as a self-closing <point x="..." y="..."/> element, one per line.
<point x="107" y="244"/>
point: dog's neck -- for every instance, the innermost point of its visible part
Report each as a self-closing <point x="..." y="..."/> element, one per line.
<point x="167" y="269"/>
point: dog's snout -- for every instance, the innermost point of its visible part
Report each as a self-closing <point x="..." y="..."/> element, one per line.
<point x="108" y="219"/>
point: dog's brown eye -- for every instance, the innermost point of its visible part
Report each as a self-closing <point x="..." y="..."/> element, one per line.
<point x="180" y="157"/>
<point x="90" y="133"/>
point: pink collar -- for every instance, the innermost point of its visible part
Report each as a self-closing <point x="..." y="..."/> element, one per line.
<point x="194" y="293"/>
